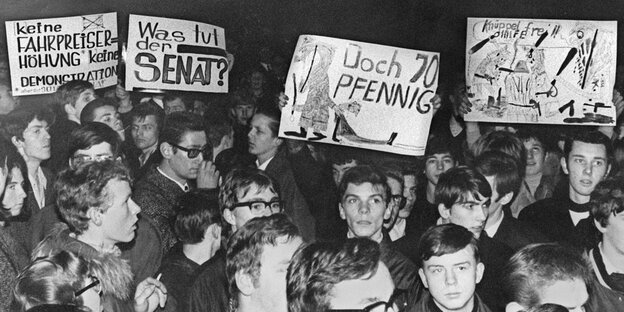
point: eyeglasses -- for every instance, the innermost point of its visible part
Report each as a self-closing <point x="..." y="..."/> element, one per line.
<point x="94" y="284"/>
<point x="83" y="159"/>
<point x="396" y="303"/>
<point x="258" y="207"/>
<point x="192" y="152"/>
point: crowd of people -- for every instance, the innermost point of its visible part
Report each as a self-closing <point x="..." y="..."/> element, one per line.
<point x="132" y="201"/>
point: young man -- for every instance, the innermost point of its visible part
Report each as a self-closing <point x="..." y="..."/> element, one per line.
<point x="198" y="227"/>
<point x="242" y="108"/>
<point x="94" y="200"/>
<point x="258" y="256"/>
<point x="547" y="273"/>
<point x="587" y="161"/>
<point x="147" y="122"/>
<point x="463" y="196"/>
<point x="438" y="159"/>
<point x="176" y="102"/>
<point x="502" y="173"/>
<point x="395" y="182"/>
<point x="348" y="275"/>
<point x="27" y="129"/>
<point x="607" y="258"/>
<point x="265" y="145"/>
<point x="186" y="164"/>
<point x="364" y="204"/>
<point x="536" y="184"/>
<point x="450" y="268"/>
<point x="103" y="110"/>
<point x="71" y="97"/>
<point x="245" y="194"/>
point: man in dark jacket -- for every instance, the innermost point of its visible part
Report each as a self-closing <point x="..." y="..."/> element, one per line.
<point x="607" y="259"/>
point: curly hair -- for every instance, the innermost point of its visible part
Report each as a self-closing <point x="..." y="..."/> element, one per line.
<point x="315" y="269"/>
<point x="82" y="188"/>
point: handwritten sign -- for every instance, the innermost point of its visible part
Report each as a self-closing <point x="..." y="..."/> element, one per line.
<point x="541" y="71"/>
<point x="45" y="53"/>
<point x="172" y="54"/>
<point x="360" y="94"/>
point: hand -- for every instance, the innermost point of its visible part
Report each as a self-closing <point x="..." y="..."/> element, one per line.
<point x="436" y="103"/>
<point x="149" y="295"/>
<point x="282" y="100"/>
<point x="618" y="102"/>
<point x="208" y="175"/>
<point x="230" y="59"/>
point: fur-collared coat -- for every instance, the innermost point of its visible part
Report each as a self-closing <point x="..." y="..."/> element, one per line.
<point x="114" y="273"/>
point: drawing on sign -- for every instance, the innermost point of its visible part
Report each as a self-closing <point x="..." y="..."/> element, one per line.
<point x="541" y="71"/>
<point x="315" y="110"/>
<point x="89" y="23"/>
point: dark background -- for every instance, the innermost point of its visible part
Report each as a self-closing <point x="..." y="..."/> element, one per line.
<point x="426" y="25"/>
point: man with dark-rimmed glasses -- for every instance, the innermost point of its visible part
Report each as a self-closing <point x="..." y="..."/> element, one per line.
<point x="346" y="277"/>
<point x="245" y="194"/>
<point x="185" y="165"/>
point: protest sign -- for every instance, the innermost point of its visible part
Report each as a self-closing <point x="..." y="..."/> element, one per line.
<point x="45" y="53"/>
<point x="541" y="71"/>
<point x="173" y="54"/>
<point x="360" y="94"/>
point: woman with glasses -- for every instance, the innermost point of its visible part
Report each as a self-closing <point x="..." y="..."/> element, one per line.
<point x="13" y="235"/>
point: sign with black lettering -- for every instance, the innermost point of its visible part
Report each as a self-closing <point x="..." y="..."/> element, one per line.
<point x="45" y="53"/>
<point x="360" y="94"/>
<point x="541" y="71"/>
<point x="173" y="54"/>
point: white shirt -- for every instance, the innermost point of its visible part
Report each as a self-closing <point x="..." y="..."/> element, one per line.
<point x="491" y="230"/>
<point x="38" y="188"/>
<point x="398" y="230"/>
<point x="185" y="187"/>
<point x="264" y="164"/>
<point x="578" y="216"/>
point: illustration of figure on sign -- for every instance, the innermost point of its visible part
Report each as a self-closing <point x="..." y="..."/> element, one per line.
<point x="316" y="57"/>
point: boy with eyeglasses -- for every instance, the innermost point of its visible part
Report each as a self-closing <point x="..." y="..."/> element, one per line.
<point x="335" y="276"/>
<point x="245" y="194"/>
<point x="186" y="164"/>
<point x="450" y="270"/>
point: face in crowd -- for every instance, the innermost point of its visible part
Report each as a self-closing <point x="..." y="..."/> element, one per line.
<point x="364" y="207"/>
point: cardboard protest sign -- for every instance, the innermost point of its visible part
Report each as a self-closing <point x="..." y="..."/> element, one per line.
<point x="173" y="54"/>
<point x="45" y="53"/>
<point x="541" y="71"/>
<point x="360" y="94"/>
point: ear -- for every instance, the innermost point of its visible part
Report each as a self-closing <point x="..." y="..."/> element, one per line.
<point x="423" y="277"/>
<point x="506" y="199"/>
<point x="95" y="216"/>
<point x="599" y="226"/>
<point x="69" y="109"/>
<point x="564" y="165"/>
<point x="228" y="216"/>
<point x="278" y="141"/>
<point x="17" y="142"/>
<point x="445" y="213"/>
<point x="166" y="150"/>
<point x="342" y="212"/>
<point x="480" y="270"/>
<point x="244" y="283"/>
<point x="514" y="307"/>
<point x="608" y="170"/>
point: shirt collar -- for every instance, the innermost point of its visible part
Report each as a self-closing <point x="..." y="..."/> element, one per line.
<point x="185" y="187"/>
<point x="264" y="164"/>
<point x="491" y="231"/>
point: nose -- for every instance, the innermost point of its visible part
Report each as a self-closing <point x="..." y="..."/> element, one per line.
<point x="363" y="208"/>
<point x="22" y="193"/>
<point x="530" y="154"/>
<point x="267" y="211"/>
<point x="47" y="134"/>
<point x="134" y="208"/>
<point x="588" y="168"/>
<point x="450" y="278"/>
<point x="439" y="165"/>
<point x="481" y="212"/>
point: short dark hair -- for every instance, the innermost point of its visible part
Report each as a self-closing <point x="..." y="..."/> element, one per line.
<point x="342" y="155"/>
<point x="178" y="124"/>
<point x="393" y="171"/>
<point x="195" y="212"/>
<point x="239" y="181"/>
<point x="503" y="168"/>
<point x="446" y="239"/>
<point x="527" y="133"/>
<point x="149" y="108"/>
<point x="246" y="245"/>
<point x="607" y="199"/>
<point x="439" y="145"/>
<point x="456" y="183"/>
<point x="538" y="265"/>
<point x="591" y="137"/>
<point x="315" y="269"/>
<point x="15" y="122"/>
<point x="172" y="96"/>
<point x="84" y="187"/>
<point x="502" y="141"/>
<point x="274" y="115"/>
<point x="88" y="111"/>
<point x="93" y="133"/>
<point x="69" y="92"/>
<point x="364" y="174"/>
